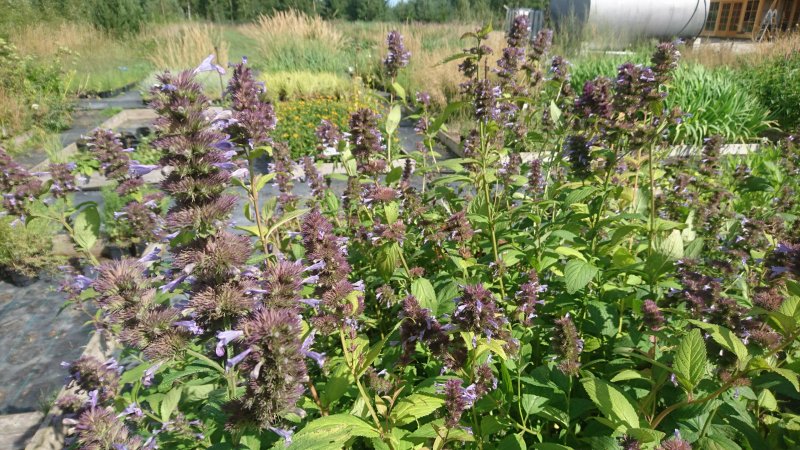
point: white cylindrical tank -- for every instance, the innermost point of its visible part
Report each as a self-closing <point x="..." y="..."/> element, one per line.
<point x="654" y="18"/>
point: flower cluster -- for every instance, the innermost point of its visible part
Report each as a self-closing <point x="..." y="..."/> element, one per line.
<point x="253" y="116"/>
<point x="397" y="56"/>
<point x="18" y="186"/>
<point x="569" y="345"/>
<point x="274" y="361"/>
<point x="366" y="141"/>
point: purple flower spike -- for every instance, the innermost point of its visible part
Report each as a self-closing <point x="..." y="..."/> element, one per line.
<point x="225" y="338"/>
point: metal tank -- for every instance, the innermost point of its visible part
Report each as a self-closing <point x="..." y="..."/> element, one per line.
<point x="649" y="18"/>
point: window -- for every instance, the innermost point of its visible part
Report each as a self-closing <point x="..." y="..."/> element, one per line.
<point x="750" y="16"/>
<point x="724" y="16"/>
<point x="711" y="21"/>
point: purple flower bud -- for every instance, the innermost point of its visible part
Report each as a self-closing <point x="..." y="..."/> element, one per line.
<point x="232" y="362"/>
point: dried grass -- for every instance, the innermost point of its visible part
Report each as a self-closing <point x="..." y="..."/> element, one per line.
<point x="292" y="25"/>
<point x="185" y="45"/>
<point x="742" y="53"/>
<point x="47" y="39"/>
<point x="12" y="114"/>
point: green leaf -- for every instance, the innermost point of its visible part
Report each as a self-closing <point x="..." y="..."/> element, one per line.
<point x="611" y="402"/>
<point x="726" y="339"/>
<point x="251" y="441"/>
<point x="790" y="375"/>
<point x="394" y="175"/>
<point x="626" y="375"/>
<point x="672" y="246"/>
<point x="332" y="432"/>
<point x="393" y="119"/>
<point x="170" y="402"/>
<point x="399" y="90"/>
<point x="423" y="290"/>
<point x="387" y="258"/>
<point x="513" y="442"/>
<point x="86" y="227"/>
<point x="691" y="360"/>
<point x="569" y="251"/>
<point x="577" y="274"/>
<point x="555" y="112"/>
<point x="415" y="407"/>
<point x="391" y="212"/>
<point x="288" y="217"/>
<point x="767" y="401"/>
<point x="645" y="435"/>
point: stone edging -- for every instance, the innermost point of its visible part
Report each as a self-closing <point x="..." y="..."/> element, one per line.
<point x="52" y="433"/>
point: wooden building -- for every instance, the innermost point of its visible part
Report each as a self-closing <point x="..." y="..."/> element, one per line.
<point x="751" y="19"/>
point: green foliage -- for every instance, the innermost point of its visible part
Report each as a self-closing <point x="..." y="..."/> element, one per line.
<point x="775" y="83"/>
<point x="716" y="103"/>
<point x="32" y="93"/>
<point x="27" y="248"/>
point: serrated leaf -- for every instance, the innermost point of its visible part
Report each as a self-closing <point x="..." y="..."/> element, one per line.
<point x="513" y="442"/>
<point x="577" y="274"/>
<point x="86" y="227"/>
<point x="672" y="246"/>
<point x="415" y="407"/>
<point x="423" y="290"/>
<point x="331" y="432"/>
<point x="626" y="375"/>
<point x="387" y="258"/>
<point x="170" y="402"/>
<point x="611" y="402"/>
<point x="726" y="338"/>
<point x="790" y="375"/>
<point x="569" y="251"/>
<point x="767" y="401"/>
<point x="691" y="360"/>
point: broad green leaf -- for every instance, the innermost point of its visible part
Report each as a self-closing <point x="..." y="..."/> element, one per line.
<point x="569" y="251"/>
<point x="555" y="112"/>
<point x="726" y="339"/>
<point x="170" y="402"/>
<point x="790" y="375"/>
<point x="398" y="89"/>
<point x="387" y="258"/>
<point x="415" y="407"/>
<point x="513" y="442"/>
<point x="391" y="212"/>
<point x="577" y="274"/>
<point x="338" y="383"/>
<point x="626" y="375"/>
<point x="611" y="402"/>
<point x="251" y="441"/>
<point x="394" y="175"/>
<point x="672" y="246"/>
<point x="550" y="446"/>
<point x="423" y="290"/>
<point x="86" y="227"/>
<point x="691" y="360"/>
<point x="393" y="119"/>
<point x="331" y="432"/>
<point x="645" y="435"/>
<point x="286" y="218"/>
<point x="767" y="401"/>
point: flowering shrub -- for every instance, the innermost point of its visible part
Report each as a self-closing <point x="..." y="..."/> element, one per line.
<point x="596" y="294"/>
